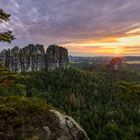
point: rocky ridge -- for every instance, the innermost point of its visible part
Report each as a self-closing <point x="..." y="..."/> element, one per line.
<point x="34" y="58"/>
<point x="32" y="119"/>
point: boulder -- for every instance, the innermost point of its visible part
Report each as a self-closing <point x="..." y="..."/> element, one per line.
<point x="25" y="118"/>
<point x="68" y="128"/>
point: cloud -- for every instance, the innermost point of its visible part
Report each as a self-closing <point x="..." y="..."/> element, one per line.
<point x="68" y="21"/>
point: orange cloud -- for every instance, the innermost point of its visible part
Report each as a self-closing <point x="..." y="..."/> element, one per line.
<point x="136" y="30"/>
<point x="127" y="45"/>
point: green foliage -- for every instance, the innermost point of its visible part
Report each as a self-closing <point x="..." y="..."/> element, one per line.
<point x="111" y="131"/>
<point x="4" y="16"/>
<point x="8" y="85"/>
<point x="91" y="98"/>
<point x="19" y="114"/>
<point x="129" y="91"/>
<point x="104" y="103"/>
<point x="5" y="36"/>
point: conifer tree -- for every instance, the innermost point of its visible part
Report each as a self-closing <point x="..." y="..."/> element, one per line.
<point x="6" y="36"/>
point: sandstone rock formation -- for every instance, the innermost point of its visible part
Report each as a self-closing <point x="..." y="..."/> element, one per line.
<point x="116" y="63"/>
<point x="68" y="128"/>
<point x="61" y="127"/>
<point x="56" y="57"/>
<point x="32" y="119"/>
<point x="34" y="58"/>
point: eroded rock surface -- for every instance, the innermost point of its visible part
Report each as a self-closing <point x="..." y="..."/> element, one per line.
<point x="24" y="118"/>
<point x="34" y="58"/>
<point x="56" y="57"/>
<point x="69" y="129"/>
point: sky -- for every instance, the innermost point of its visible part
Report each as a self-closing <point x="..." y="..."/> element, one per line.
<point x="84" y="27"/>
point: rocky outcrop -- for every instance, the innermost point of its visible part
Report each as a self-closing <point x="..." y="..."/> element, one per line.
<point x="32" y="119"/>
<point x="69" y="129"/>
<point x="60" y="127"/>
<point x="34" y="58"/>
<point x="116" y="63"/>
<point x="56" y="57"/>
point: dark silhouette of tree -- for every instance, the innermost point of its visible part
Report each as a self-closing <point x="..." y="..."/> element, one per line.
<point x="5" y="36"/>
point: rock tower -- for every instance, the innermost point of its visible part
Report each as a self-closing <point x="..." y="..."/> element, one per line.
<point x="116" y="63"/>
<point x="35" y="58"/>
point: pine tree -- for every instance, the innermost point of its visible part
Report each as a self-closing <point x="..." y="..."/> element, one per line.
<point x="5" y="36"/>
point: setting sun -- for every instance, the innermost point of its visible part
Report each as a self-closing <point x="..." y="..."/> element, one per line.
<point x="117" y="52"/>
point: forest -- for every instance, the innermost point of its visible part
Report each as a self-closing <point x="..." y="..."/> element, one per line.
<point x="105" y="103"/>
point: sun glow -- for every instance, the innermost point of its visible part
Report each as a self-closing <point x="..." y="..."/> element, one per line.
<point x="126" y="45"/>
<point x="117" y="52"/>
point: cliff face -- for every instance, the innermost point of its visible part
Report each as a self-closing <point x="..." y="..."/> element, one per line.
<point x="32" y="119"/>
<point x="34" y="58"/>
<point x="56" y="57"/>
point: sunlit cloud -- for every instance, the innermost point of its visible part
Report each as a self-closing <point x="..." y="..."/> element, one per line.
<point x="109" y="46"/>
<point x="85" y="27"/>
<point x="137" y="30"/>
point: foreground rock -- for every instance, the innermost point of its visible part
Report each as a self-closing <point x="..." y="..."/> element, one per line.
<point x="34" y="58"/>
<point x="69" y="129"/>
<point x="31" y="119"/>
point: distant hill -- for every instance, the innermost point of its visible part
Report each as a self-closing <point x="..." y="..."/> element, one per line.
<point x="132" y="62"/>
